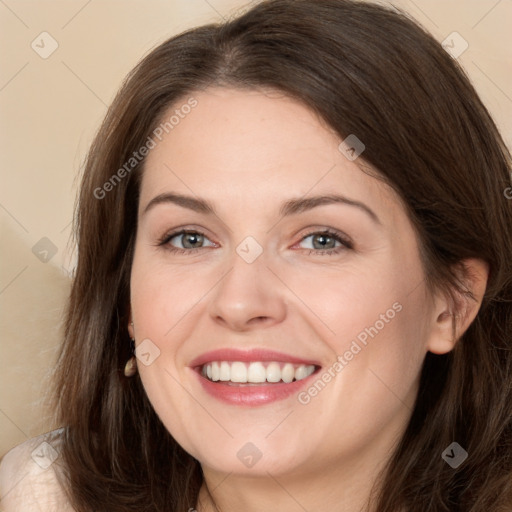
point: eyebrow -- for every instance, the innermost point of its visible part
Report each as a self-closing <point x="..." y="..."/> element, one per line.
<point x="291" y="207"/>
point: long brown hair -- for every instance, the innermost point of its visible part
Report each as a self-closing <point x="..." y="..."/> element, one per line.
<point x="366" y="70"/>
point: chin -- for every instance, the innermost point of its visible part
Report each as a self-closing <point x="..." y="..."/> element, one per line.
<point x="251" y="458"/>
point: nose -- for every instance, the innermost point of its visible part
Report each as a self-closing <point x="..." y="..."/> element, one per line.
<point x="249" y="296"/>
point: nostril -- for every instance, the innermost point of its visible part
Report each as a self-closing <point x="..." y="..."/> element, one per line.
<point x="259" y="319"/>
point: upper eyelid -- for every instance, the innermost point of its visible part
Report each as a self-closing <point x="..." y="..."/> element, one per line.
<point x="343" y="238"/>
<point x="181" y="232"/>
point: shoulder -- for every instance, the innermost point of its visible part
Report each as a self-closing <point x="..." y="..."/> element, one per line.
<point x="27" y="476"/>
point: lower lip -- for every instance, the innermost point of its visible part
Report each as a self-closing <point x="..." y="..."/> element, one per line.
<point x="252" y="395"/>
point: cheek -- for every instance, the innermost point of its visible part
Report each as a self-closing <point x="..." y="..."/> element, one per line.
<point x="161" y="296"/>
<point x="161" y="300"/>
<point x="378" y="350"/>
<point x="345" y="301"/>
<point x="157" y="305"/>
<point x="373" y="317"/>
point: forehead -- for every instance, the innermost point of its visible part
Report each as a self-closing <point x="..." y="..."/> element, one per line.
<point x="243" y="147"/>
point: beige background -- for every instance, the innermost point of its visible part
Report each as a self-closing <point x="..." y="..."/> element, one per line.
<point x="50" y="109"/>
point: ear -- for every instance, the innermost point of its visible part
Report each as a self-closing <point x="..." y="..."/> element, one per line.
<point x="130" y="326"/>
<point x="450" y="319"/>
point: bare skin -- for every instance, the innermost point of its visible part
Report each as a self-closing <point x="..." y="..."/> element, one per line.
<point x="307" y="294"/>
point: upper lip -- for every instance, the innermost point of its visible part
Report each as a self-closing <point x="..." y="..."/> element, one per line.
<point x="258" y="354"/>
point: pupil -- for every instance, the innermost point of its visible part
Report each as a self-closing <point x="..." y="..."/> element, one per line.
<point x="323" y="241"/>
<point x="191" y="239"/>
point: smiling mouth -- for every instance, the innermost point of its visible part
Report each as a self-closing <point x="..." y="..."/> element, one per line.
<point x="256" y="372"/>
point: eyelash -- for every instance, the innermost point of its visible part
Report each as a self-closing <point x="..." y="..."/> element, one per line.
<point x="336" y="235"/>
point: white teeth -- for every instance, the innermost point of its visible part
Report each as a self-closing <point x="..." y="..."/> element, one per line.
<point x="225" y="373"/>
<point x="215" y="371"/>
<point x="255" y="372"/>
<point x="273" y="372"/>
<point x="301" y="372"/>
<point x="288" y="372"/>
<point x="238" y="372"/>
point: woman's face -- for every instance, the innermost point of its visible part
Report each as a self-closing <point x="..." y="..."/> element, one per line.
<point x="293" y="260"/>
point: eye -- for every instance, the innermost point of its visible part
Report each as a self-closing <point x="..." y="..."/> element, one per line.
<point x="326" y="242"/>
<point x="185" y="241"/>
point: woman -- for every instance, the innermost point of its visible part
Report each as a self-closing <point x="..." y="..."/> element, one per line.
<point x="289" y="217"/>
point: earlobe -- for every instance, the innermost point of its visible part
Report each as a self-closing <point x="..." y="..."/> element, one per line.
<point x="451" y="318"/>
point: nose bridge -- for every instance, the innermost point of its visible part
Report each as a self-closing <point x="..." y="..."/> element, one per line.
<point x="248" y="294"/>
